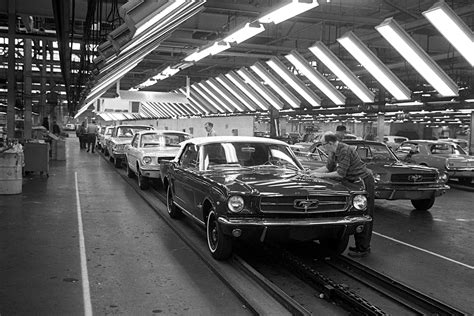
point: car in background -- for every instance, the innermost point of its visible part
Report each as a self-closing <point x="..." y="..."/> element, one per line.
<point x="394" y="141"/>
<point x="104" y="134"/>
<point x="146" y="151"/>
<point x="446" y="156"/>
<point x="314" y="139"/>
<point x="461" y="142"/>
<point x="255" y="188"/>
<point x="69" y="127"/>
<point x="121" y="136"/>
<point x="394" y="179"/>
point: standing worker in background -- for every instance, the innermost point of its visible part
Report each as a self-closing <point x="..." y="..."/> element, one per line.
<point x="56" y="128"/>
<point x="210" y="129"/>
<point x="345" y="163"/>
<point x="91" y="130"/>
<point x="82" y="135"/>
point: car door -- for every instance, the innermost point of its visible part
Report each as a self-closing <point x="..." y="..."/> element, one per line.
<point x="132" y="152"/>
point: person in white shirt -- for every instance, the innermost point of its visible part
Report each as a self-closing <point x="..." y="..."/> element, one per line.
<point x="91" y="131"/>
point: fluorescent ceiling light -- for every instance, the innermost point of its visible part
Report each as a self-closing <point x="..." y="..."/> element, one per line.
<point x="276" y="85"/>
<point x="294" y="82"/>
<point x="226" y="83"/>
<point x="206" y="87"/>
<point x="453" y="28"/>
<point x="247" y="31"/>
<point x="290" y="9"/>
<point x="214" y="49"/>
<point x="260" y="88"/>
<point x="223" y="93"/>
<point x="195" y="102"/>
<point x="197" y="87"/>
<point x="247" y="90"/>
<point x="417" y="57"/>
<point x="374" y="66"/>
<point x="342" y="72"/>
<point x="316" y="78"/>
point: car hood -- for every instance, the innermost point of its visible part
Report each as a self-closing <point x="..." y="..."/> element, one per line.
<point x="276" y="182"/>
<point x="160" y="151"/>
<point x="121" y="140"/>
<point x="399" y="168"/>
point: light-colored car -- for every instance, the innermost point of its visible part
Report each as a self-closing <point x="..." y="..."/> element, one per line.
<point x="394" y="141"/>
<point x="121" y="136"/>
<point x="148" y="149"/>
<point x="104" y="134"/>
<point x="446" y="156"/>
<point x="69" y="127"/>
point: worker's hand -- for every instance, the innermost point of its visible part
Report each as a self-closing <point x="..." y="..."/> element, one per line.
<point x="317" y="174"/>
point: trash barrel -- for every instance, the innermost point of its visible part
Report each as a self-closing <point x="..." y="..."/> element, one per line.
<point x="11" y="178"/>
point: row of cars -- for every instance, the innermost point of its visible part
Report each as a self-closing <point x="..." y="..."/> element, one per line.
<point x="259" y="188"/>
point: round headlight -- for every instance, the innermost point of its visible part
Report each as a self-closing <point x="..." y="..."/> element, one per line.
<point x="443" y="177"/>
<point x="146" y="160"/>
<point x="360" y="202"/>
<point x="235" y="203"/>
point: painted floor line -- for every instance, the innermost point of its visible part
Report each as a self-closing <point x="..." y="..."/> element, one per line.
<point x="82" y="247"/>
<point x="424" y="250"/>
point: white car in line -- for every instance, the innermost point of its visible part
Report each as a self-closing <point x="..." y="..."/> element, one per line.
<point x="148" y="149"/>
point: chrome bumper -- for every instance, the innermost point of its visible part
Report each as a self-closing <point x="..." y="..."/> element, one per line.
<point x="336" y="221"/>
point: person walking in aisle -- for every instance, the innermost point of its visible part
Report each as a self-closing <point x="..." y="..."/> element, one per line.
<point x="91" y="131"/>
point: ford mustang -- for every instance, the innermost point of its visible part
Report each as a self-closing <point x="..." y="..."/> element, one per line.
<point x="394" y="179"/>
<point x="255" y="188"/>
<point x="147" y="149"/>
<point x="122" y="136"/>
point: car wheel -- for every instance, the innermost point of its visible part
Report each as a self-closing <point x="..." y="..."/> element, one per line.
<point x="130" y="172"/>
<point x="117" y="163"/>
<point x="219" y="244"/>
<point x="465" y="181"/>
<point x="334" y="246"/>
<point x="173" y="210"/>
<point x="423" y="205"/>
<point x="143" y="182"/>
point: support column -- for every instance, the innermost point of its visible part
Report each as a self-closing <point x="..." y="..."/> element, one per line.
<point x="27" y="91"/>
<point x="471" y="135"/>
<point x="380" y="126"/>
<point x="11" y="70"/>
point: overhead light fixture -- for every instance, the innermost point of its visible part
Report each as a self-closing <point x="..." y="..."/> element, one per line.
<point x="214" y="49"/>
<point x="374" y="66"/>
<point x="244" y="33"/>
<point x="246" y="89"/>
<point x="288" y="10"/>
<point x="260" y="88"/>
<point x="276" y="85"/>
<point x="302" y="65"/>
<point x="453" y="28"/>
<point x="210" y="91"/>
<point x="195" y="102"/>
<point x="223" y="93"/>
<point x="294" y="82"/>
<point x="417" y="57"/>
<point x="243" y="98"/>
<point x="342" y="72"/>
<point x="197" y="87"/>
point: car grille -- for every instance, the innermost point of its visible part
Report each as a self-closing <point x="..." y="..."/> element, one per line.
<point x="292" y="204"/>
<point x="414" y="178"/>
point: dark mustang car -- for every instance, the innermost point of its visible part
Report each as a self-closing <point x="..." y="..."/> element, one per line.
<point x="394" y="180"/>
<point x="255" y="188"/>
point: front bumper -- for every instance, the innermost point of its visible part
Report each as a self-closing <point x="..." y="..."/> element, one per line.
<point x="409" y="193"/>
<point x="151" y="172"/>
<point x="461" y="173"/>
<point x="296" y="229"/>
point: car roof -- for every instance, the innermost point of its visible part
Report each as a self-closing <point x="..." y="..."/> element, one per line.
<point x="232" y="139"/>
<point x="162" y="131"/>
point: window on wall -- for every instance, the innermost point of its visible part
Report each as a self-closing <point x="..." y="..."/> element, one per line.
<point x="135" y="106"/>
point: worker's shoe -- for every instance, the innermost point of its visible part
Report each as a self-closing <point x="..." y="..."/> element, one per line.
<point x="355" y="252"/>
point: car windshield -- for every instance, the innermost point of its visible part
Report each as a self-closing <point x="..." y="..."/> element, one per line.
<point x="129" y="131"/>
<point x="163" y="140"/>
<point x="374" y="152"/>
<point x="248" y="154"/>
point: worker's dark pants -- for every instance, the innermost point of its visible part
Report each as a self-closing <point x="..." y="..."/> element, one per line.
<point x="82" y="141"/>
<point x="362" y="240"/>
<point x="90" y="142"/>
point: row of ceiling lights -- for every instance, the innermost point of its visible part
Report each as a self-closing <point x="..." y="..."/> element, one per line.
<point x="234" y="86"/>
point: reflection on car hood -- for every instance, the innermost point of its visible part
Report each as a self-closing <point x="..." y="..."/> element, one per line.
<point x="398" y="168"/>
<point x="160" y="151"/>
<point x="275" y="182"/>
<point x="121" y="140"/>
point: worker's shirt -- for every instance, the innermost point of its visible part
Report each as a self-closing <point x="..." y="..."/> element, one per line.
<point x="92" y="129"/>
<point x="347" y="163"/>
